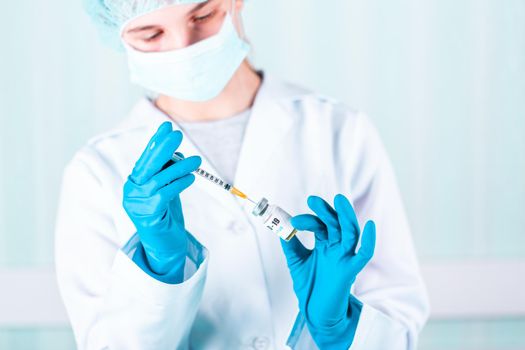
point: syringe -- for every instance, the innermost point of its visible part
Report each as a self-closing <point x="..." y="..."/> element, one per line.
<point x="216" y="180"/>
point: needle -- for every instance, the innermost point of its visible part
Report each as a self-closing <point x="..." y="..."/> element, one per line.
<point x="216" y="180"/>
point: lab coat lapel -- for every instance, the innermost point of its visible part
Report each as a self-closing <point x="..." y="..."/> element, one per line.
<point x="269" y="123"/>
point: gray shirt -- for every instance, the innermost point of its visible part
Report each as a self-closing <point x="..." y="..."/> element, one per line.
<point x="219" y="140"/>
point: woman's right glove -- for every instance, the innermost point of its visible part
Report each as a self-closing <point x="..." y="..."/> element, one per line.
<point x="151" y="200"/>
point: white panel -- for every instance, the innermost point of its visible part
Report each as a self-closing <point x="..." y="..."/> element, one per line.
<point x="476" y="289"/>
<point x="30" y="298"/>
<point x="458" y="290"/>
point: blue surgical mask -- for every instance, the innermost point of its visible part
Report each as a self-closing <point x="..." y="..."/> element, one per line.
<point x="198" y="72"/>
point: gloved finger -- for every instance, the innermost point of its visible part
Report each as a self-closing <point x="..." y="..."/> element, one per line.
<point x="309" y="222"/>
<point x="171" y="161"/>
<point x="294" y="251"/>
<point x="163" y="130"/>
<point x="132" y="190"/>
<point x="168" y="192"/>
<point x="171" y="173"/>
<point x="366" y="250"/>
<point x="348" y="221"/>
<point x="328" y="215"/>
<point x="157" y="157"/>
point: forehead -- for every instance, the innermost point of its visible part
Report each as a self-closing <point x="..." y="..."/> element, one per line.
<point x="168" y="14"/>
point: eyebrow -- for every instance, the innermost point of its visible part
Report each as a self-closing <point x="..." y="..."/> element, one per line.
<point x="140" y="29"/>
<point x="199" y="6"/>
<point x="148" y="27"/>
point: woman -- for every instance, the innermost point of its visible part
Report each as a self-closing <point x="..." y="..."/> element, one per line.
<point x="148" y="257"/>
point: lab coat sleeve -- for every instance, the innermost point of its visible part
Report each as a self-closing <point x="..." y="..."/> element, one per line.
<point x="394" y="297"/>
<point x="394" y="300"/>
<point x="111" y="302"/>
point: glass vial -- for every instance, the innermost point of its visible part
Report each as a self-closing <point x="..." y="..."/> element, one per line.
<point x="275" y="219"/>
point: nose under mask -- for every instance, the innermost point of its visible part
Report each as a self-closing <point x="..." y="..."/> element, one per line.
<point x="198" y="72"/>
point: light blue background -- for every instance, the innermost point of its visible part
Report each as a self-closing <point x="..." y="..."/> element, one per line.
<point x="443" y="80"/>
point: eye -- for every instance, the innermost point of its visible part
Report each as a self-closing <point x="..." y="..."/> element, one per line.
<point x="200" y="19"/>
<point x="153" y="37"/>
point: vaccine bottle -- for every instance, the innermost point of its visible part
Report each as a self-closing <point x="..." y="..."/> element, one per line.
<point x="275" y="219"/>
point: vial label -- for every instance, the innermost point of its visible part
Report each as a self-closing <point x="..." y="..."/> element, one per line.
<point x="279" y="222"/>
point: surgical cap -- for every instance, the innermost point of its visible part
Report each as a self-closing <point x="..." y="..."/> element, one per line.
<point x="110" y="15"/>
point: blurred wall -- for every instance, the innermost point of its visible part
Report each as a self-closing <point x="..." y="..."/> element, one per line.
<point x="443" y="80"/>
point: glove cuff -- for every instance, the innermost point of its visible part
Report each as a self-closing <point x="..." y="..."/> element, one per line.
<point x="169" y="269"/>
<point x="341" y="334"/>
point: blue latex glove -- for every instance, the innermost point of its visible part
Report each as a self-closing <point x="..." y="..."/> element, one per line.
<point x="151" y="199"/>
<point x="322" y="277"/>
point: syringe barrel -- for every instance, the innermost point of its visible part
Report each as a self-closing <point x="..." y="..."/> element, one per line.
<point x="205" y="174"/>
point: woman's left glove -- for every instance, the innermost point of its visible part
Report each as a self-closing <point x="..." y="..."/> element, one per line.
<point x="322" y="277"/>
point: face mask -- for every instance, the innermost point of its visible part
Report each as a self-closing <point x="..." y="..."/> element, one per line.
<point x="198" y="72"/>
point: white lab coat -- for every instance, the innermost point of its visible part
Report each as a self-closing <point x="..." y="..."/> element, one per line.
<point x="238" y="292"/>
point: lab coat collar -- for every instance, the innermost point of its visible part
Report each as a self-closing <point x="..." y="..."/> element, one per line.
<point x="145" y="113"/>
<point x="270" y="120"/>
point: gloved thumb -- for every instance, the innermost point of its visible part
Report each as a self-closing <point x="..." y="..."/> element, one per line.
<point x="294" y="251"/>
